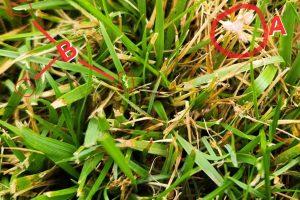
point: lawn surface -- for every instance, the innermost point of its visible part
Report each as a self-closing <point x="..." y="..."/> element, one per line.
<point x="149" y="108"/>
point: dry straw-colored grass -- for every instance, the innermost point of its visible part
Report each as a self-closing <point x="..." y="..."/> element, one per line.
<point x="180" y="120"/>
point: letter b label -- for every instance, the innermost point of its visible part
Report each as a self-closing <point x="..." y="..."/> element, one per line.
<point x="66" y="51"/>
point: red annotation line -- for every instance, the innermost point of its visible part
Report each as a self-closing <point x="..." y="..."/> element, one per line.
<point x="37" y="25"/>
<point x="48" y="66"/>
<point x="63" y="54"/>
<point x="96" y="69"/>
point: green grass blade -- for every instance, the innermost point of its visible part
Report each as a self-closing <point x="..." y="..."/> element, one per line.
<point x="53" y="149"/>
<point x="44" y="5"/>
<point x="225" y="73"/>
<point x="288" y="154"/>
<point x="100" y="179"/>
<point x="57" y="195"/>
<point x="178" y="181"/>
<point x="107" y="22"/>
<point x="11" y="143"/>
<point x="159" y="29"/>
<point x="237" y="132"/>
<point x="227" y="184"/>
<point x="160" y="110"/>
<point x="285" y="43"/>
<point x="111" y="50"/>
<point x="294" y="74"/>
<point x="12" y="104"/>
<point x="247" y="187"/>
<point x="110" y="147"/>
<point x="93" y="132"/>
<point x="273" y="127"/>
<point x="261" y="83"/>
<point x="266" y="163"/>
<point x="201" y="161"/>
<point x="78" y="93"/>
<point x="88" y="167"/>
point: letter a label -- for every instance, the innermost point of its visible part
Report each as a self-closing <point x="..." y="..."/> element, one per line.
<point x="277" y="26"/>
<point x="66" y="51"/>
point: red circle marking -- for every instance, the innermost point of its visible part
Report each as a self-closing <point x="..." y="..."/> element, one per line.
<point x="29" y="83"/>
<point x="233" y="9"/>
